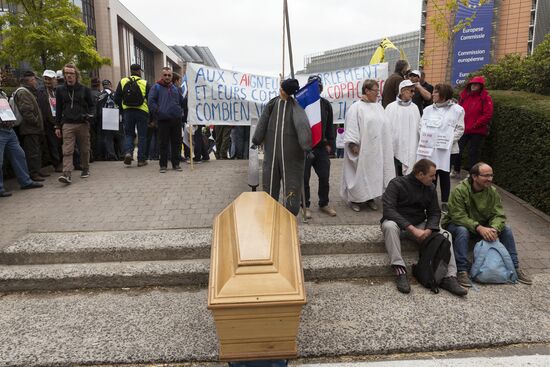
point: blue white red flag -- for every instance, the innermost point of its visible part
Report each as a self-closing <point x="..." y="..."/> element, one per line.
<point x="310" y="99"/>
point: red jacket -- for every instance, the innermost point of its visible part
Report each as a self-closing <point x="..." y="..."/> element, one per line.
<point x="478" y="107"/>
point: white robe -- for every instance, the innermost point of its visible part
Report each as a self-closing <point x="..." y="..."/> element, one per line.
<point x="404" y="121"/>
<point x="366" y="175"/>
<point x="444" y="126"/>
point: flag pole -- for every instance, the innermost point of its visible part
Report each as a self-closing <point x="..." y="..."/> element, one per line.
<point x="284" y="45"/>
<point x="191" y="145"/>
<point x="303" y="194"/>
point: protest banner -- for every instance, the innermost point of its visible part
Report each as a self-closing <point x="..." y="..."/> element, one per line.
<point x="225" y="97"/>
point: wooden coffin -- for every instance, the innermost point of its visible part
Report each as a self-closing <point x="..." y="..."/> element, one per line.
<point x="256" y="285"/>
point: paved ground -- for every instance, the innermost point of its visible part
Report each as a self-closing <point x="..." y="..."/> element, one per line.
<point x="119" y="198"/>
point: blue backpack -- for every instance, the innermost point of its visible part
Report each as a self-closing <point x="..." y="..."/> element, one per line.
<point x="492" y="264"/>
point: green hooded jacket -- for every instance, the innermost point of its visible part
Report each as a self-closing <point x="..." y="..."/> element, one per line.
<point x="470" y="209"/>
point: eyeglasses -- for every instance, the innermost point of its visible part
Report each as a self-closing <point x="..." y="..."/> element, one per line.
<point x="170" y="75"/>
<point x="487" y="175"/>
<point x="375" y="90"/>
<point x="69" y="73"/>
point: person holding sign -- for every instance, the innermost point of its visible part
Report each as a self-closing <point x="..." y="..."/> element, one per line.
<point x="9" y="144"/>
<point x="441" y="127"/>
<point x="368" y="153"/>
<point x="283" y="129"/>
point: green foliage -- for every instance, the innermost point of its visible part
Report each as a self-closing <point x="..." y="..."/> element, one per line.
<point x="518" y="146"/>
<point x="47" y="34"/>
<point x="515" y="72"/>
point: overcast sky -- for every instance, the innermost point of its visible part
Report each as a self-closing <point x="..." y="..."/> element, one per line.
<point x="246" y="35"/>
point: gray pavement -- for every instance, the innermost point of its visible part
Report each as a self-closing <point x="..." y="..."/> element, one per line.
<point x="119" y="198"/>
<point x="356" y="318"/>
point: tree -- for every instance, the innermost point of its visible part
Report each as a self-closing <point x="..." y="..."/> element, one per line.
<point x="47" y="34"/>
<point x="445" y="27"/>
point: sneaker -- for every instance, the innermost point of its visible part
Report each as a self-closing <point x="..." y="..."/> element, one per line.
<point x="178" y="168"/>
<point x="85" y="173"/>
<point x="523" y="277"/>
<point x="197" y="161"/>
<point x="451" y="284"/>
<point x="371" y="204"/>
<point x="5" y="194"/>
<point x="355" y="207"/>
<point x="464" y="279"/>
<point x="128" y="159"/>
<point x="65" y="178"/>
<point x="307" y="213"/>
<point x="162" y="170"/>
<point x="328" y="210"/>
<point x="402" y="283"/>
<point x="37" y="178"/>
<point x="142" y="163"/>
<point x="455" y="174"/>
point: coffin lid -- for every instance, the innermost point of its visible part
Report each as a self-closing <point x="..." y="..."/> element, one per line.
<point x="255" y="255"/>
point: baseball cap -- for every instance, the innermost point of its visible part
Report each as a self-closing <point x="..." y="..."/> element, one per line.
<point x="59" y="74"/>
<point x="106" y="82"/>
<point x="49" y="74"/>
<point x="315" y="77"/>
<point x="415" y="72"/>
<point x="405" y="83"/>
<point x="135" y="67"/>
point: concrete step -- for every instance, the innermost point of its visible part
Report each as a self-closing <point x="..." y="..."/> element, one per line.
<point x="341" y="319"/>
<point x="174" y="272"/>
<point x="118" y="246"/>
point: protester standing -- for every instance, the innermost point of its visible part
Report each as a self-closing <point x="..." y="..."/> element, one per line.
<point x="74" y="111"/>
<point x="478" y="106"/>
<point x="441" y="127"/>
<point x="166" y="106"/>
<point x="46" y="101"/>
<point x="132" y="94"/>
<point x="391" y="85"/>
<point x="368" y="155"/>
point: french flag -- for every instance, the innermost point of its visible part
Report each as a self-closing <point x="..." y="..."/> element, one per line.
<point x="309" y="98"/>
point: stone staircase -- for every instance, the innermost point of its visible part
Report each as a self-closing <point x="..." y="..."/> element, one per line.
<point x="122" y="259"/>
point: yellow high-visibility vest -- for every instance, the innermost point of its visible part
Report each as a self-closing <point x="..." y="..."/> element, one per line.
<point x="142" y="86"/>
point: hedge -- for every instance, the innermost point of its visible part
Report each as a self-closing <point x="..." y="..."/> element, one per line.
<point x="518" y="146"/>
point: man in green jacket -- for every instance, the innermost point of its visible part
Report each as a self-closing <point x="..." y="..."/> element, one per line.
<point x="475" y="211"/>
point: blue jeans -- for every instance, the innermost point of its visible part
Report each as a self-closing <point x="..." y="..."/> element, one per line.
<point x="133" y="118"/>
<point x="461" y="238"/>
<point x="10" y="145"/>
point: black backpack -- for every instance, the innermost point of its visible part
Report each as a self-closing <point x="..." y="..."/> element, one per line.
<point x="435" y="253"/>
<point x="131" y="93"/>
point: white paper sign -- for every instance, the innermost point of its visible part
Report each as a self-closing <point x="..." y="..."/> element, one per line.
<point x="6" y="114"/>
<point x="444" y="140"/>
<point x="110" y="118"/>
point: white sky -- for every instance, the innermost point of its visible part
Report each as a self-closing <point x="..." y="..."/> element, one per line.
<point x="246" y="35"/>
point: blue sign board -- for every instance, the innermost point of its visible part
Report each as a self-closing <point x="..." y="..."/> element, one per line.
<point x="472" y="45"/>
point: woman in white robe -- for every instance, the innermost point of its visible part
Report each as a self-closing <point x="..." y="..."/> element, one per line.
<point x="441" y="127"/>
<point x="368" y="153"/>
<point x="404" y="118"/>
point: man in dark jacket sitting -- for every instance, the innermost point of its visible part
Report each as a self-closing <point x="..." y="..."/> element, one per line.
<point x="411" y="209"/>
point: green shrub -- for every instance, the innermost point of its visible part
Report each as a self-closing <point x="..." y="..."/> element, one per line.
<point x="518" y="146"/>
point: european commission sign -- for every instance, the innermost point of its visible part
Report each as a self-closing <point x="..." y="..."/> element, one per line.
<point x="472" y="45"/>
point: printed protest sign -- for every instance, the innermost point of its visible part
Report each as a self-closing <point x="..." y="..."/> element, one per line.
<point x="225" y="97"/>
<point x="6" y="114"/>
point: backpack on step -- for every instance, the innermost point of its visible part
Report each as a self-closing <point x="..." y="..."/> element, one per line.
<point x="14" y="108"/>
<point x="131" y="93"/>
<point x="492" y="264"/>
<point x="435" y="253"/>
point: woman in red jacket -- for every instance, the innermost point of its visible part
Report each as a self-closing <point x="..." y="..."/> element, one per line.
<point x="478" y="106"/>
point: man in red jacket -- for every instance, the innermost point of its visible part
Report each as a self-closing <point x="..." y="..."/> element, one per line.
<point x="478" y="107"/>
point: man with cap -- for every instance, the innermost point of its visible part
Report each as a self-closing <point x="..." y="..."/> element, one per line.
<point x="10" y="148"/>
<point x="31" y="129"/>
<point x="46" y="101"/>
<point x="423" y="92"/>
<point x="131" y="94"/>
<point x="404" y="119"/>
<point x="283" y="129"/>
<point x="319" y="160"/>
